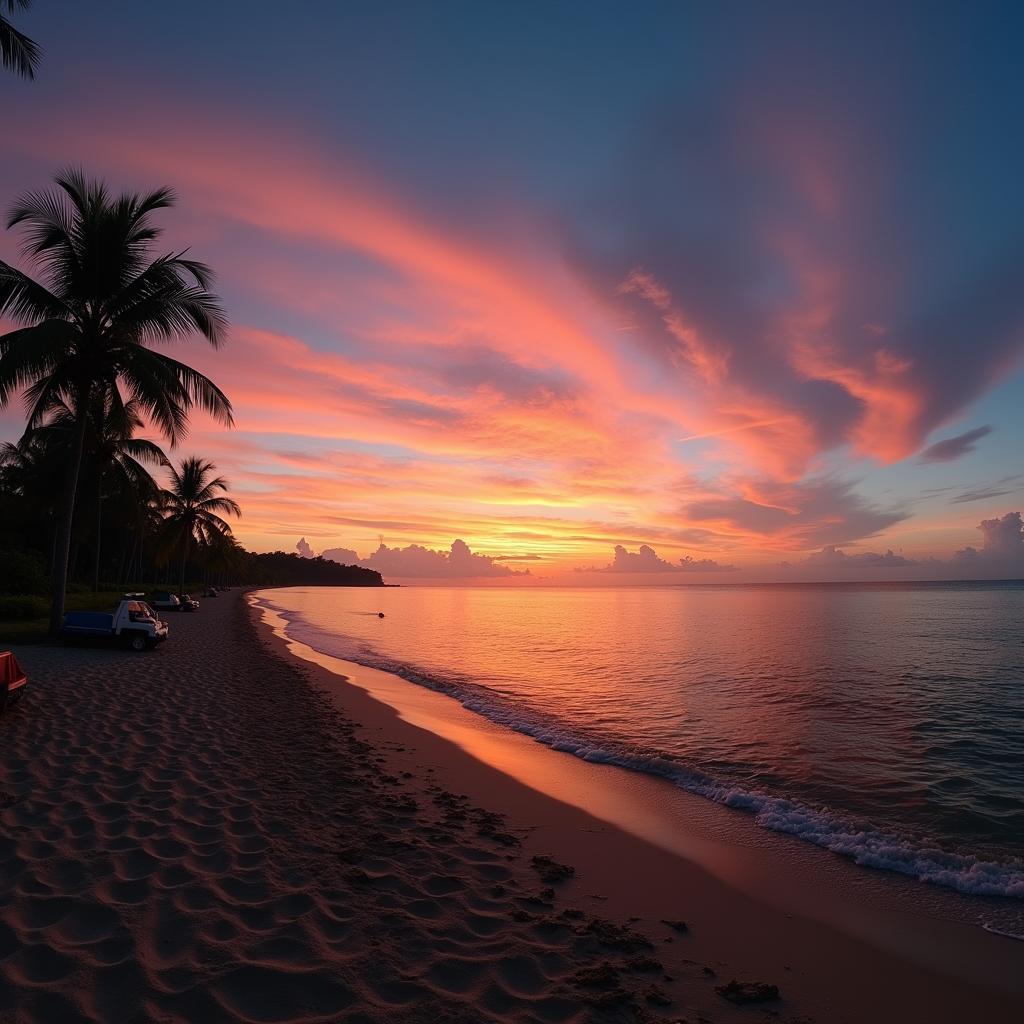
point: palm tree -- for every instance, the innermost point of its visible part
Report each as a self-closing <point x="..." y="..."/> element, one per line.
<point x="192" y="504"/>
<point x="223" y="559"/>
<point x="106" y="300"/>
<point x="115" y="455"/>
<point x="17" y="51"/>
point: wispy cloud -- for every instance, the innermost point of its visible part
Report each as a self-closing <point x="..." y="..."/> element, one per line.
<point x="399" y="371"/>
<point x="954" y="447"/>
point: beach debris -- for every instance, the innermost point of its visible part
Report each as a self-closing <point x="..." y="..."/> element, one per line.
<point x="489" y="826"/>
<point x="743" y="992"/>
<point x="551" y="871"/>
<point x="616" y="936"/>
<point x="657" y="997"/>
<point x="676" y="926"/>
<point x="602" y="975"/>
<point x="403" y="803"/>
<point x="611" y="997"/>
<point x="644" y="963"/>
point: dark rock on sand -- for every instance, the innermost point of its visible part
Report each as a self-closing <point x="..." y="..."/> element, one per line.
<point x="602" y="975"/>
<point x="657" y="997"/>
<point x="616" y="936"/>
<point x="644" y="963"/>
<point x="743" y="992"/>
<point x="551" y="871"/>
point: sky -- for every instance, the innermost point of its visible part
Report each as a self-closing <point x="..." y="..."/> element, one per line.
<point x="581" y="292"/>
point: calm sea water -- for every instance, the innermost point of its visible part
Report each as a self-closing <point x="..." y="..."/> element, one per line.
<point x="883" y="722"/>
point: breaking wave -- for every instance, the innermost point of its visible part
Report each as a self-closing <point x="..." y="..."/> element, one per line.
<point x="838" y="833"/>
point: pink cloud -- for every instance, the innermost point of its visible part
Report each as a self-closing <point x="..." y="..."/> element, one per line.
<point x="513" y="392"/>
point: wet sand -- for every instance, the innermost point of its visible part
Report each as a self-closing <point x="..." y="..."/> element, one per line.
<point x="217" y="831"/>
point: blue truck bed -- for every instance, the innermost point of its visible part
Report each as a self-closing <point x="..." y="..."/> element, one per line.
<point x="88" y="624"/>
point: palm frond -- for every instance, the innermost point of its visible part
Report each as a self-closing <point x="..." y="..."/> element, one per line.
<point x="27" y="300"/>
<point x="228" y="506"/>
<point x="155" y="379"/>
<point x="143" y="450"/>
<point x="17" y="51"/>
<point x="164" y="306"/>
<point x="31" y="354"/>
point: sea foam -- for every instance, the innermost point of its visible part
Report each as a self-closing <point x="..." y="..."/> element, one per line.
<point x="863" y="844"/>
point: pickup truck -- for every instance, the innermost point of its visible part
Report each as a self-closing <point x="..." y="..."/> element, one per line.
<point x="134" y="624"/>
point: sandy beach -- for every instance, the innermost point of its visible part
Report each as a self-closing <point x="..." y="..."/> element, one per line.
<point x="218" y="831"/>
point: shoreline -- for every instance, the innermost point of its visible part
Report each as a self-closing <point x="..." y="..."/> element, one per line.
<point x="923" y="965"/>
<point x="217" y="830"/>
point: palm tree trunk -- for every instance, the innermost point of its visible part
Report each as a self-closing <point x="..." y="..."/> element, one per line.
<point x="99" y="534"/>
<point x="184" y="561"/>
<point x="62" y="547"/>
<point x="122" y="564"/>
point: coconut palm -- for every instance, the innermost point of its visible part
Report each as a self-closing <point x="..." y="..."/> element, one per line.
<point x="223" y="558"/>
<point x="17" y="51"/>
<point x="116" y="457"/>
<point x="105" y="301"/>
<point x="27" y="470"/>
<point x="192" y="506"/>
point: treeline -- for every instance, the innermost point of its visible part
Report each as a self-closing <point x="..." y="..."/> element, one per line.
<point x="25" y="584"/>
<point x="287" y="568"/>
<point x="86" y="500"/>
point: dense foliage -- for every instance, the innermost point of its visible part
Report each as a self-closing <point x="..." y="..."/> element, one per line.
<point x="98" y="302"/>
<point x="82" y="505"/>
<point x="283" y="567"/>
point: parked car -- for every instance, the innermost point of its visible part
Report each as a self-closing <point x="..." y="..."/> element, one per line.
<point x="187" y="603"/>
<point x="134" y="624"/>
<point x="165" y="601"/>
<point x="211" y="591"/>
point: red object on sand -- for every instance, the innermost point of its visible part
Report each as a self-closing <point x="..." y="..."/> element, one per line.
<point x="12" y="676"/>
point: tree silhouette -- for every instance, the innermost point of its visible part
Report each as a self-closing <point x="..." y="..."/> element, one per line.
<point x="90" y="327"/>
<point x="192" y="505"/>
<point x="115" y="456"/>
<point x="17" y="51"/>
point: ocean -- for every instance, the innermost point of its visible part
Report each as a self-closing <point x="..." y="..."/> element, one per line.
<point x="883" y="722"/>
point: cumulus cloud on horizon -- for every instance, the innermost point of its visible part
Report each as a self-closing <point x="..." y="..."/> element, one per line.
<point x="832" y="557"/>
<point x="1001" y="555"/>
<point x="1002" y="544"/>
<point x="646" y="560"/>
<point x="346" y="556"/>
<point x="418" y="562"/>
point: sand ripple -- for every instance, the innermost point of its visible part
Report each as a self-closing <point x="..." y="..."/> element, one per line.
<point x="196" y="835"/>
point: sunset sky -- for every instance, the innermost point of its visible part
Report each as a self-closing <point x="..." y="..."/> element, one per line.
<point x="733" y="281"/>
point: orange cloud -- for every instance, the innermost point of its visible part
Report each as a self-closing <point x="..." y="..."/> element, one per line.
<point x="475" y="383"/>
